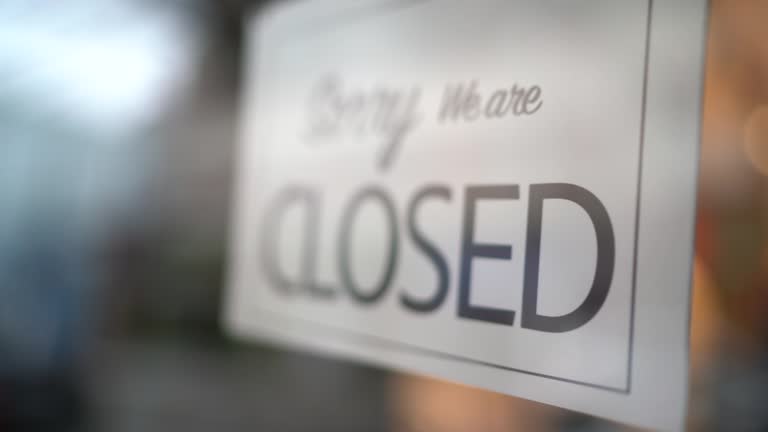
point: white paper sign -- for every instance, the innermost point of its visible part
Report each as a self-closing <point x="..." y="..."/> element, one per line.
<point x="499" y="193"/>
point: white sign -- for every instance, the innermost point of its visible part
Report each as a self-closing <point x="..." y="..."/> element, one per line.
<point x="499" y="193"/>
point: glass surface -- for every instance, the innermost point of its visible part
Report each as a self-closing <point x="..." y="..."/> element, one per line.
<point x="118" y="121"/>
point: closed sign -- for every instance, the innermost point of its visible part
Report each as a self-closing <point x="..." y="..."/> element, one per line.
<point x="499" y="193"/>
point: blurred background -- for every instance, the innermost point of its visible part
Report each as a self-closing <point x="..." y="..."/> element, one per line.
<point x="117" y="134"/>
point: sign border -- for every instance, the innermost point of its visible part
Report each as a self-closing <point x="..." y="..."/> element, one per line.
<point x="388" y="343"/>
